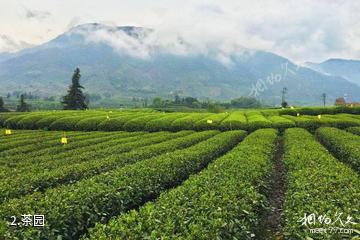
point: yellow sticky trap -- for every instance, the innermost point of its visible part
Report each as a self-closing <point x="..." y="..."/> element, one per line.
<point x="292" y="107"/>
<point x="8" y="132"/>
<point x="298" y="114"/>
<point x="319" y="116"/>
<point x="107" y="117"/>
<point x="209" y="121"/>
<point x="64" y="140"/>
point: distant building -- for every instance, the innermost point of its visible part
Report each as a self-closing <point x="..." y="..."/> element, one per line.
<point x="341" y="102"/>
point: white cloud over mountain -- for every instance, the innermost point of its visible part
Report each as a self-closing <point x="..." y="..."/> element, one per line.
<point x="300" y="30"/>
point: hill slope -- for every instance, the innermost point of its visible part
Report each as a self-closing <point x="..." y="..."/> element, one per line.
<point x="348" y="69"/>
<point x="135" y="68"/>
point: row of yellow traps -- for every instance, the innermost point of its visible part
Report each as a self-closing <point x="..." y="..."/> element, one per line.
<point x="63" y="139"/>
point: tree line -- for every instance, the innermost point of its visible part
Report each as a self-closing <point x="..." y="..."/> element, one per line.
<point x="75" y="99"/>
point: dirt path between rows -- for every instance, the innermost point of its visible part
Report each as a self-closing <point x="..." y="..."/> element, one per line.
<point x="270" y="227"/>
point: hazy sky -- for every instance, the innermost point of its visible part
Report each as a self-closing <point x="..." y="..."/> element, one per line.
<point x="300" y="30"/>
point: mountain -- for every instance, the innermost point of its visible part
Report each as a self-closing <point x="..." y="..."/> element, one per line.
<point x="348" y="69"/>
<point x="127" y="62"/>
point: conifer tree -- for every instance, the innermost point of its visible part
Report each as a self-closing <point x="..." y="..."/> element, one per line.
<point x="75" y="98"/>
<point x="2" y="108"/>
<point x="23" y="107"/>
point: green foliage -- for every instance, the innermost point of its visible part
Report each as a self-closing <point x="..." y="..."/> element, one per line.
<point x="65" y="123"/>
<point x="245" y="102"/>
<point x="157" y="102"/>
<point x="29" y="121"/>
<point x="354" y="130"/>
<point x="188" y="122"/>
<point x="320" y="110"/>
<point x="163" y="123"/>
<point x="71" y="209"/>
<point x="316" y="183"/>
<point x="139" y="122"/>
<point x="210" y="122"/>
<point x="12" y="122"/>
<point x="215" y="108"/>
<point x="115" y="124"/>
<point x="75" y="99"/>
<point x="90" y="124"/>
<point x="256" y="120"/>
<point x="343" y="144"/>
<point x="2" y="106"/>
<point x="6" y="116"/>
<point x="142" y="120"/>
<point x="222" y="202"/>
<point x="115" y="153"/>
<point x="236" y="120"/>
<point x="281" y="122"/>
<point x="302" y="122"/>
<point x="23" y="106"/>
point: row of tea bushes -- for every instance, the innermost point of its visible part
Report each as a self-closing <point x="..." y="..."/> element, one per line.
<point x="319" y="110"/>
<point x="71" y="209"/>
<point x="344" y="145"/>
<point x="221" y="202"/>
<point x="317" y="185"/>
<point x="114" y="158"/>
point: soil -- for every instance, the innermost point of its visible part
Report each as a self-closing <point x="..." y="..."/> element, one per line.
<point x="271" y="223"/>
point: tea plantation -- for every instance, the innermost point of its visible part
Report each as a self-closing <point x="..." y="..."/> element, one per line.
<point x="145" y="174"/>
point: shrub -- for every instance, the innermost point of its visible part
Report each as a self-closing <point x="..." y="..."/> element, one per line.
<point x="90" y="124"/>
<point x="222" y="202"/>
<point x="71" y="209"/>
<point x="188" y="121"/>
<point x="139" y="123"/>
<point x="281" y="122"/>
<point x="163" y="123"/>
<point x="343" y="144"/>
<point x="124" y="152"/>
<point x="316" y="183"/>
<point x="12" y="122"/>
<point x="210" y="122"/>
<point x="115" y="124"/>
<point x="29" y="121"/>
<point x="354" y="130"/>
<point x="235" y="120"/>
<point x="256" y="120"/>
<point x="6" y="116"/>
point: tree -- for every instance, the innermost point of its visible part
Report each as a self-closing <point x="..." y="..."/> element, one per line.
<point x="177" y="99"/>
<point x="215" y="108"/>
<point x="157" y="102"/>
<point x="283" y="102"/>
<point x="2" y="107"/>
<point x="23" y="107"/>
<point x="190" y="101"/>
<point x="245" y="102"/>
<point x="75" y="99"/>
<point x="323" y="97"/>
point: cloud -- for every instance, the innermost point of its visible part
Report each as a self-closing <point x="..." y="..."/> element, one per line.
<point x="35" y="14"/>
<point x="73" y="22"/>
<point x="143" y="42"/>
<point x="304" y="30"/>
<point x="210" y="8"/>
<point x="8" y="44"/>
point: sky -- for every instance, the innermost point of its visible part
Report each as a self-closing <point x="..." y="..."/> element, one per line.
<point x="299" y="30"/>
